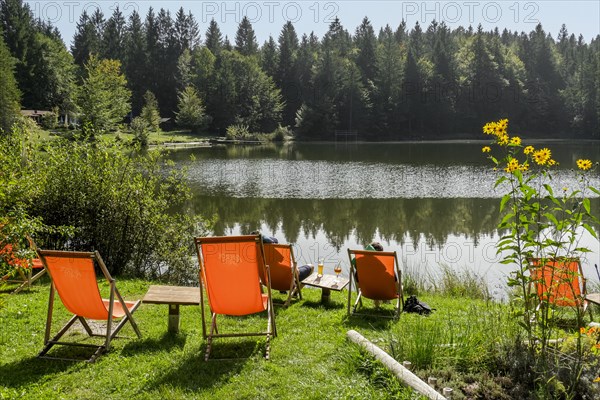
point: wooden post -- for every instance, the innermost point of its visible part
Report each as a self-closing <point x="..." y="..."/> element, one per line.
<point x="447" y="392"/>
<point x="173" y="318"/>
<point x="403" y="374"/>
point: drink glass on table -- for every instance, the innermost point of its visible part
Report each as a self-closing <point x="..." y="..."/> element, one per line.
<point x="320" y="268"/>
<point x="337" y="270"/>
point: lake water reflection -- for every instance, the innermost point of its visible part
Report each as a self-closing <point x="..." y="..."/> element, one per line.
<point x="432" y="202"/>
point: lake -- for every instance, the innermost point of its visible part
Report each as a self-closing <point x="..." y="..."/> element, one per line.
<point x="434" y="203"/>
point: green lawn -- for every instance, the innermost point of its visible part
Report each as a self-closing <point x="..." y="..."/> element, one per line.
<point x="310" y="359"/>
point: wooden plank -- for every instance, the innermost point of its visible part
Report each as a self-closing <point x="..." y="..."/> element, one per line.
<point x="178" y="295"/>
<point x="326" y="281"/>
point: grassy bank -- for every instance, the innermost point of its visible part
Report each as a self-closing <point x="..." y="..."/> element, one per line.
<point x="310" y="358"/>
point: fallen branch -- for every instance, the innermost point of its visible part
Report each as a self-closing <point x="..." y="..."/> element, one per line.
<point x="403" y="374"/>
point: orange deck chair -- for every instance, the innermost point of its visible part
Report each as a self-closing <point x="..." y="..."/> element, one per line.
<point x="73" y="277"/>
<point x="229" y="271"/>
<point x="24" y="268"/>
<point x="376" y="272"/>
<point x="284" y="270"/>
<point x="559" y="281"/>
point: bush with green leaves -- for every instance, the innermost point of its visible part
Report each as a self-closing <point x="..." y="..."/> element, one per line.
<point x="118" y="201"/>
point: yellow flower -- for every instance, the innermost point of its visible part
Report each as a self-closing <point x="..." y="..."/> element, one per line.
<point x="597" y="379"/>
<point x="542" y="156"/>
<point x="486" y="149"/>
<point x="513" y="165"/>
<point x="524" y="167"/>
<point x="584" y="164"/>
<point x="552" y="163"/>
<point x="528" y="150"/>
<point x="503" y="139"/>
<point x="582" y="330"/>
<point x="515" y="140"/>
<point x="489" y="128"/>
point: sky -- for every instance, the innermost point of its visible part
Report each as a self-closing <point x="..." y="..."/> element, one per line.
<point x="268" y="16"/>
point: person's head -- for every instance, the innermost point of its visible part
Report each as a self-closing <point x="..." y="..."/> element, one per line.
<point x="377" y="246"/>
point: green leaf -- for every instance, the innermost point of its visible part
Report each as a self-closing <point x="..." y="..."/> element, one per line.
<point x="549" y="189"/>
<point x="552" y="218"/>
<point x="499" y="181"/>
<point x="504" y="200"/>
<point x="586" y="205"/>
<point x="590" y="230"/>
<point x="593" y="189"/>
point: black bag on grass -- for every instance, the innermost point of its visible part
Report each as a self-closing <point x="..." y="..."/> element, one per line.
<point x="414" y="305"/>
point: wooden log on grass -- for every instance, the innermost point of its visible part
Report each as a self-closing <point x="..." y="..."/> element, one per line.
<point x="403" y="374"/>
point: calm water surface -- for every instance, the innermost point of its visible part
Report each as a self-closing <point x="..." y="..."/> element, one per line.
<point x="434" y="203"/>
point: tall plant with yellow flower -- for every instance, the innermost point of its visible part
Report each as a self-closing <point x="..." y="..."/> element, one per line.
<point x="540" y="224"/>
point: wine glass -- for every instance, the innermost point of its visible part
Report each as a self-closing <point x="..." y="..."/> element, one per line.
<point x="337" y="270"/>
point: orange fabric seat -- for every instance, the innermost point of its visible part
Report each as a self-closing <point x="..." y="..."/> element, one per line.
<point x="229" y="271"/>
<point x="378" y="277"/>
<point x="559" y="282"/>
<point x="283" y="268"/>
<point x="73" y="277"/>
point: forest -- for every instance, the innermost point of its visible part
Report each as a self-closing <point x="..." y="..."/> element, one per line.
<point x="377" y="83"/>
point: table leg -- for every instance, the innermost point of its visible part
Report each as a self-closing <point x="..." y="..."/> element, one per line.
<point x="325" y="295"/>
<point x="174" y="318"/>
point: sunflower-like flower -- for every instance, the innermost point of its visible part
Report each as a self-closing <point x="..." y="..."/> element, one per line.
<point x="528" y="150"/>
<point x="542" y="156"/>
<point x="584" y="164"/>
<point x="515" y="141"/>
<point x="503" y="139"/>
<point x="524" y="167"/>
<point x="551" y="162"/>
<point x="486" y="149"/>
<point x="489" y="128"/>
<point x="513" y="165"/>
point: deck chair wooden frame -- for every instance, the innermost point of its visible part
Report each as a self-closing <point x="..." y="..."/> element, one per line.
<point x="25" y="272"/>
<point x="67" y="268"/>
<point x="229" y="273"/>
<point x="383" y="287"/>
<point x="284" y="271"/>
<point x="559" y="282"/>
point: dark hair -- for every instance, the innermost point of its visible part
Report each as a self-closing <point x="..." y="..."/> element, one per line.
<point x="377" y="246"/>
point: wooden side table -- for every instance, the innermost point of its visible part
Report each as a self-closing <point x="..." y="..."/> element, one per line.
<point x="327" y="283"/>
<point x="174" y="296"/>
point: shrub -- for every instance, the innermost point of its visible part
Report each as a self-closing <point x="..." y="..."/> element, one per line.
<point x="119" y="203"/>
<point x="239" y="132"/>
<point x="140" y="129"/>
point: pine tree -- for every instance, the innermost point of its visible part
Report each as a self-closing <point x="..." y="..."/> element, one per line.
<point x="366" y="43"/>
<point x="269" y="57"/>
<point x="85" y="41"/>
<point x="286" y="76"/>
<point x="191" y="110"/>
<point x="113" y="37"/>
<point x="187" y="34"/>
<point x="213" y="38"/>
<point x="150" y="114"/>
<point x="245" y="39"/>
<point x="135" y="60"/>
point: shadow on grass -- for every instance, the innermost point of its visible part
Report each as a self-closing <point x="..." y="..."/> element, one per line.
<point x="330" y="305"/>
<point x="25" y="371"/>
<point x="226" y="360"/>
<point x="166" y="342"/>
<point x="374" y="319"/>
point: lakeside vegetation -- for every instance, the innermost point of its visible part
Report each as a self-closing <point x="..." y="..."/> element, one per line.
<point x="393" y="82"/>
<point x="464" y="344"/>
